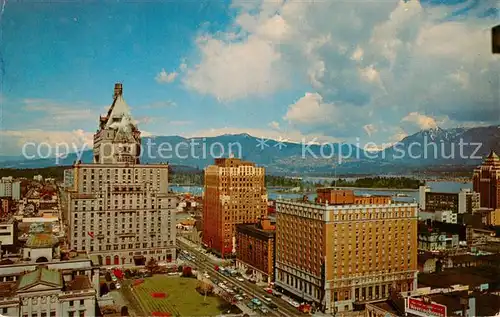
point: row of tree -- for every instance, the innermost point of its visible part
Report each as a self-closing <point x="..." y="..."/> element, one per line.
<point x="381" y="182"/>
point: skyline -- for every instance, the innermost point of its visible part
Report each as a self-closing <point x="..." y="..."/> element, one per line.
<point x="274" y="69"/>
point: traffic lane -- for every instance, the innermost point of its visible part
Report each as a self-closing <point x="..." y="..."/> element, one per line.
<point x="208" y="268"/>
<point x="255" y="292"/>
<point x="254" y="289"/>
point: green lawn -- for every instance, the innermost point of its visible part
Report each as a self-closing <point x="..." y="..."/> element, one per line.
<point x="182" y="298"/>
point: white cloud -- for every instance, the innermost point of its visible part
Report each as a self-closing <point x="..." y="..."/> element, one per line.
<point x="232" y="70"/>
<point x="161" y="104"/>
<point x="370" y="129"/>
<point x="311" y="109"/>
<point x="388" y="58"/>
<point x="274" y="125"/>
<point x="53" y="113"/>
<point x="423" y="122"/>
<point x="46" y="142"/>
<point x="164" y="77"/>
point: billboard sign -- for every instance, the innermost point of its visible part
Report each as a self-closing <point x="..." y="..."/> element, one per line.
<point x="424" y="307"/>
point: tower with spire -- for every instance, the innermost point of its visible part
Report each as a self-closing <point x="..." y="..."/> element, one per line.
<point x="118" y="140"/>
<point x="121" y="211"/>
<point x="486" y="181"/>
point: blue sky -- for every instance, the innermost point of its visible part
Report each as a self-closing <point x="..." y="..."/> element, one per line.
<point x="334" y="70"/>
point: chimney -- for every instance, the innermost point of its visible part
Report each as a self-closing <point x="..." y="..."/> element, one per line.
<point x="118" y="90"/>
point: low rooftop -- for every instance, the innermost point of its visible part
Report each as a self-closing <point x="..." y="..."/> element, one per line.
<point x="472" y="276"/>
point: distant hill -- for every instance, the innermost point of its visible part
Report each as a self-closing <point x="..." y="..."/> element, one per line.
<point x="294" y="159"/>
<point x="438" y="146"/>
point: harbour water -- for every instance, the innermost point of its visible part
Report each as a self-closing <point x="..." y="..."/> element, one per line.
<point x="438" y="186"/>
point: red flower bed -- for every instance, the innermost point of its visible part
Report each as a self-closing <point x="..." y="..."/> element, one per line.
<point x="158" y="295"/>
<point x="138" y="282"/>
<point x="161" y="314"/>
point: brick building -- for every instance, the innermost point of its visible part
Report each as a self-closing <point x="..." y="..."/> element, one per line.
<point x="235" y="193"/>
<point x="486" y="181"/>
<point x="255" y="249"/>
<point x="332" y="253"/>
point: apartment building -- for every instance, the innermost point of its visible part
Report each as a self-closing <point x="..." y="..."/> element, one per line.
<point x="486" y="181"/>
<point x="331" y="253"/>
<point x="235" y="193"/>
<point x="121" y="210"/>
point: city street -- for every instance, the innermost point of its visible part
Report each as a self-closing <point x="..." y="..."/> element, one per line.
<point x="204" y="263"/>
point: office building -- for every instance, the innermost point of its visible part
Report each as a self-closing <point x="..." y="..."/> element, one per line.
<point x="255" y="250"/>
<point x="486" y="181"/>
<point x="331" y="253"/>
<point x="465" y="201"/>
<point x="121" y="210"/>
<point x="235" y="193"/>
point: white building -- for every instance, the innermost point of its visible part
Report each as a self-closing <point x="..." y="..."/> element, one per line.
<point x="38" y="178"/>
<point x="120" y="210"/>
<point x="42" y="282"/>
<point x="7" y="232"/>
<point x="68" y="178"/>
<point x="422" y="190"/>
<point x="446" y="216"/>
<point x="468" y="201"/>
<point x="10" y="188"/>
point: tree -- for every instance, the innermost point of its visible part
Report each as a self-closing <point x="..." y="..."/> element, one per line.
<point x="124" y="311"/>
<point x="152" y="265"/>
<point x="179" y="268"/>
<point x="187" y="272"/>
<point x="104" y="289"/>
<point x="128" y="273"/>
<point x="107" y="276"/>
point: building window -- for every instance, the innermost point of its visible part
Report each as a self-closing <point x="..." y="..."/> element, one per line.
<point x="71" y="303"/>
<point x="82" y="301"/>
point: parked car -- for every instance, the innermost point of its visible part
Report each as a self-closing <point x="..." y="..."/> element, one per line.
<point x="263" y="310"/>
<point x="268" y="299"/>
<point x="268" y="290"/>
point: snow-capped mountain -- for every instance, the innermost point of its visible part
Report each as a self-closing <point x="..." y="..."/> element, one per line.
<point x="439" y="146"/>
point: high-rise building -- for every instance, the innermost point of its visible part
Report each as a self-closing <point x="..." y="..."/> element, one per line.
<point x="121" y="211"/>
<point x="10" y="188"/>
<point x="332" y="253"/>
<point x="235" y="193"/>
<point x="486" y="181"/>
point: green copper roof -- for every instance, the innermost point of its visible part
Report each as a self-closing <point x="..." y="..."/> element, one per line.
<point x="41" y="275"/>
<point x="41" y="240"/>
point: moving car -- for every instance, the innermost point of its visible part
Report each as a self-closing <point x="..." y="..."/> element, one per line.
<point x="273" y="306"/>
<point x="241" y="279"/>
<point x="263" y="310"/>
<point x="268" y="299"/>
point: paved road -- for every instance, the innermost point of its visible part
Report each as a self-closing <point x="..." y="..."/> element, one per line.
<point x="204" y="263"/>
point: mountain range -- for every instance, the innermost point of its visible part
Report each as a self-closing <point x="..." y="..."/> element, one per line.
<point x="437" y="148"/>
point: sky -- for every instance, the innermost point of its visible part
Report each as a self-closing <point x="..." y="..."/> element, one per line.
<point x="368" y="70"/>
